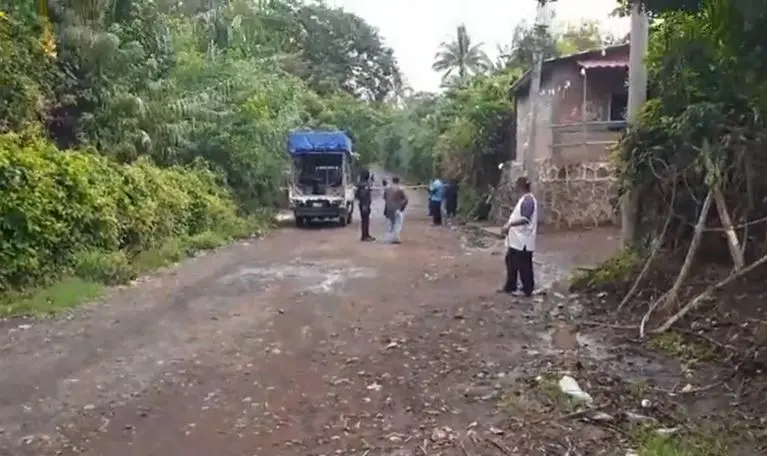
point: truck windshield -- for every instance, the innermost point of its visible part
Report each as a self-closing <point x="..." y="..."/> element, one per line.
<point x="324" y="169"/>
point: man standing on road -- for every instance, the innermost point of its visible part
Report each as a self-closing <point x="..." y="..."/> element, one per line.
<point x="436" y="194"/>
<point x="395" y="202"/>
<point x="521" y="231"/>
<point x="451" y="198"/>
<point x="384" y="185"/>
<point x="364" y="197"/>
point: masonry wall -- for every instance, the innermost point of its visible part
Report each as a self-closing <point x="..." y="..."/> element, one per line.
<point x="573" y="196"/>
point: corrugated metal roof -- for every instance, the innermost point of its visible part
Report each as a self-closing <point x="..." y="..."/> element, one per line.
<point x="525" y="78"/>
<point x="596" y="63"/>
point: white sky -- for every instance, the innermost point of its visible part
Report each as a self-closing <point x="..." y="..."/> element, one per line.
<point x="415" y="28"/>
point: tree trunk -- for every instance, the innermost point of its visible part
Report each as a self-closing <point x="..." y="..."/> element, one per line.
<point x="732" y="239"/>
<point x="671" y="295"/>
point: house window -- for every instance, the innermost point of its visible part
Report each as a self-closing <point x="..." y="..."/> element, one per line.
<point x="618" y="104"/>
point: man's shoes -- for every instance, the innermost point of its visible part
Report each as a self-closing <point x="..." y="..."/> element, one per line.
<point x="515" y="293"/>
<point x="368" y="239"/>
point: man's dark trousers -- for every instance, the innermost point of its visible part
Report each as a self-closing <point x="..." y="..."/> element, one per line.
<point x="451" y="206"/>
<point x="435" y="209"/>
<point x="365" y="222"/>
<point x="519" y="266"/>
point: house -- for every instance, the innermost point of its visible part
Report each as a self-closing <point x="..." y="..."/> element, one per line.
<point x="581" y="108"/>
<point x="580" y="117"/>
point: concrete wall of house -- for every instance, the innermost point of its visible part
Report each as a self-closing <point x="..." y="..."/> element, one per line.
<point x="561" y="102"/>
<point x="568" y="141"/>
<point x="575" y="184"/>
<point x="539" y="146"/>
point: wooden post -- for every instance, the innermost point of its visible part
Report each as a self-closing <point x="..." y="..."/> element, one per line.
<point x="637" y="97"/>
<point x="528" y="157"/>
<point x="584" y="118"/>
<point x="732" y="238"/>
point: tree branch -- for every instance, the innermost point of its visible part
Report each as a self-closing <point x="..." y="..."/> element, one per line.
<point x="698" y="300"/>
<point x="671" y="295"/>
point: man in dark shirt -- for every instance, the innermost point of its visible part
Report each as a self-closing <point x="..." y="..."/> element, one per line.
<point x="451" y="198"/>
<point x="363" y="195"/>
<point x="395" y="202"/>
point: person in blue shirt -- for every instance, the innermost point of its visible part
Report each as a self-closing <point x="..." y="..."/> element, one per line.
<point x="436" y="194"/>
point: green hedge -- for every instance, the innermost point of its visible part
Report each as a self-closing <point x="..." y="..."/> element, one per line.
<point x="55" y="205"/>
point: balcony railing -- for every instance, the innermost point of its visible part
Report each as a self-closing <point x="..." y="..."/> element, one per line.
<point x="584" y="141"/>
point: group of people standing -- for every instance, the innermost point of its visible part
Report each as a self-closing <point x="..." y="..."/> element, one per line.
<point x="520" y="231"/>
<point x="442" y="192"/>
<point x="395" y="203"/>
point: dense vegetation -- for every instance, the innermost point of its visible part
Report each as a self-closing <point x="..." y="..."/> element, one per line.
<point x="130" y="125"/>
<point x="693" y="159"/>
<point x="704" y="125"/>
<point x="134" y="127"/>
<point x="464" y="133"/>
<point x="697" y="145"/>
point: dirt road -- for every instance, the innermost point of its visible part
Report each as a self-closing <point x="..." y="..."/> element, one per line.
<point x="308" y="342"/>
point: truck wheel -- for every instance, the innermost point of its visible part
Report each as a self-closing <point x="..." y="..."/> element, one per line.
<point x="343" y="219"/>
<point x="300" y="222"/>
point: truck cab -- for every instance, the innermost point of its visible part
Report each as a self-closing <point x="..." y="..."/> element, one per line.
<point x="321" y="183"/>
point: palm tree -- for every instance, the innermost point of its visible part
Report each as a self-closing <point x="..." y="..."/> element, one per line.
<point x="460" y="58"/>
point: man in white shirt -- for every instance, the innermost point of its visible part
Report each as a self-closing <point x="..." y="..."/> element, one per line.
<point x="520" y="231"/>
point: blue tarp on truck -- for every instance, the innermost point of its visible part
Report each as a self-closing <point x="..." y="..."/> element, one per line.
<point x="315" y="142"/>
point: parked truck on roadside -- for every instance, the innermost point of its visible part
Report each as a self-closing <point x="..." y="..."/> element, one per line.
<point x="321" y="184"/>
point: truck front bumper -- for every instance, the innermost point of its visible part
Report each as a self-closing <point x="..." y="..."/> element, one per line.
<point x="319" y="210"/>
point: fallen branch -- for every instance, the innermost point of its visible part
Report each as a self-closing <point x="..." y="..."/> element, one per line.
<point x="463" y="448"/>
<point x="708" y="340"/>
<point x="710" y="386"/>
<point x="567" y="416"/>
<point x="500" y="447"/>
<point x="732" y="237"/>
<point x="698" y="300"/>
<point x="657" y="243"/>
<point x="649" y="312"/>
<point x="607" y="325"/>
<point x="671" y="295"/>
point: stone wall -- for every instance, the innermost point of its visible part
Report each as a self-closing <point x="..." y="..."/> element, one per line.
<point x="569" y="196"/>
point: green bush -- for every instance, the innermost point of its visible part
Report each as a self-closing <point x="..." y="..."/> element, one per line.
<point x="61" y="210"/>
<point x="109" y="268"/>
<point x="617" y="270"/>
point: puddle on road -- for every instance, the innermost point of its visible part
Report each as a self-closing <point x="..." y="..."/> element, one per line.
<point x="313" y="276"/>
<point x="565" y="337"/>
<point x="633" y="366"/>
<point x="476" y="240"/>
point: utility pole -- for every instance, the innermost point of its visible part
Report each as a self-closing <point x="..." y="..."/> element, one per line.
<point x="528" y="155"/>
<point x="638" y="39"/>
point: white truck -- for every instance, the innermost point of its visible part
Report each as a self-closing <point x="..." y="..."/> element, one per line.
<point x="321" y="184"/>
